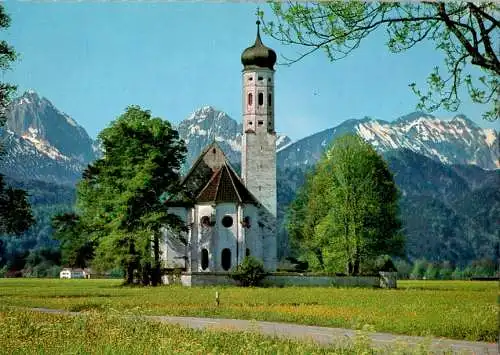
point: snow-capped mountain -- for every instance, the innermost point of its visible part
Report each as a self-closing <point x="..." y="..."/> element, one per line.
<point x="44" y="143"/>
<point x="455" y="141"/>
<point x="207" y="124"/>
<point x="457" y="205"/>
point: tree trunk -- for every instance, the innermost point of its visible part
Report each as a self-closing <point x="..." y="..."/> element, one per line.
<point x="355" y="270"/>
<point x="131" y="265"/>
<point x="129" y="274"/>
<point x="349" y="268"/>
<point x="156" y="270"/>
<point x="319" y="255"/>
<point x="146" y="271"/>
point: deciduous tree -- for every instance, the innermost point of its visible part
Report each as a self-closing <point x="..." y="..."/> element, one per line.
<point x="348" y="211"/>
<point x="15" y="211"/>
<point x="467" y="33"/>
<point x="120" y="194"/>
<point x="77" y="248"/>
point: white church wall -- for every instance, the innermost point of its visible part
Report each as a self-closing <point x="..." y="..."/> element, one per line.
<point x="226" y="237"/>
<point x="205" y="235"/>
<point x="173" y="251"/>
<point x="253" y="238"/>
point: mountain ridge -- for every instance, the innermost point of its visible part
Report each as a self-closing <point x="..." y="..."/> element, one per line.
<point x="36" y="127"/>
<point x="457" y="202"/>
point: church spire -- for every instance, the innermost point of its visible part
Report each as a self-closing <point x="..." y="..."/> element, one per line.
<point x="258" y="55"/>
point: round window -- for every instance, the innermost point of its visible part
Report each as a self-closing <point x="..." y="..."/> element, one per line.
<point x="227" y="221"/>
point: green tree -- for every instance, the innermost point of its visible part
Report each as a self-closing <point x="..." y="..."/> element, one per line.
<point x="404" y="268"/>
<point x="347" y="213"/>
<point x="432" y="271"/>
<point x="419" y="268"/>
<point x="43" y="262"/>
<point x="446" y="270"/>
<point x="15" y="211"/>
<point x="466" y="33"/>
<point x="484" y="267"/>
<point x="7" y="56"/>
<point x="119" y="198"/>
<point x="77" y="248"/>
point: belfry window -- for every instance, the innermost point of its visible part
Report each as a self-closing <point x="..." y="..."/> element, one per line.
<point x="261" y="99"/>
<point x="269" y="100"/>
<point x="204" y="259"/>
<point x="250" y="99"/>
<point x="226" y="259"/>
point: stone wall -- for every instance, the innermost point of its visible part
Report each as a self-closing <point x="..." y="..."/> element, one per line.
<point x="205" y="279"/>
<point x="312" y="280"/>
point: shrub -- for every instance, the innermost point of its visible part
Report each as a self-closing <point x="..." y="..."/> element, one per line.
<point x="372" y="267"/>
<point x="250" y="272"/>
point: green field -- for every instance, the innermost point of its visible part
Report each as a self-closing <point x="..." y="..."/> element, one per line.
<point x="37" y="333"/>
<point x="453" y="309"/>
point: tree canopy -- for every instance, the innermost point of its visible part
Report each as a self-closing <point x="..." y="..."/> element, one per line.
<point x="15" y="210"/>
<point x="119" y="197"/>
<point x="347" y="213"/>
<point x="466" y="33"/>
<point x="7" y="56"/>
<point x="77" y="248"/>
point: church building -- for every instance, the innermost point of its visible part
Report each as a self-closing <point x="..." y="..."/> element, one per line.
<point x="230" y="216"/>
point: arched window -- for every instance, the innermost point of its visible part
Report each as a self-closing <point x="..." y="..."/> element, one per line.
<point x="247" y="252"/>
<point x="269" y="100"/>
<point x="261" y="99"/>
<point x="226" y="259"/>
<point x="204" y="259"/>
<point x="250" y="99"/>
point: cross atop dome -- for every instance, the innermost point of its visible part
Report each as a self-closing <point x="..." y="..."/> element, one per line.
<point x="258" y="55"/>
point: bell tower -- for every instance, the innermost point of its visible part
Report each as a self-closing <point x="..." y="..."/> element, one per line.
<point x="258" y="158"/>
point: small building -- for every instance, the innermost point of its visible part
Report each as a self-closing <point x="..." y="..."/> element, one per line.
<point x="68" y="273"/>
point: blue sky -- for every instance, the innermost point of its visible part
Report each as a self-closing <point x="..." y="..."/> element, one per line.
<point x="92" y="59"/>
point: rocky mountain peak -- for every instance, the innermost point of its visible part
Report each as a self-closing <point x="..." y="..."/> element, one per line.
<point x="412" y="116"/>
<point x="455" y="141"/>
<point x="208" y="124"/>
<point x="34" y="118"/>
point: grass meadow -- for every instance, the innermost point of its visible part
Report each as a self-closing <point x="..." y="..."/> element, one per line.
<point x="96" y="333"/>
<point x="29" y="332"/>
<point x="454" y="309"/>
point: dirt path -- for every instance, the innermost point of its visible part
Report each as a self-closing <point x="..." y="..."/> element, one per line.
<point x="321" y="335"/>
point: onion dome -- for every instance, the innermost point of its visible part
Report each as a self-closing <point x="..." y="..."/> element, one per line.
<point x="258" y="55"/>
